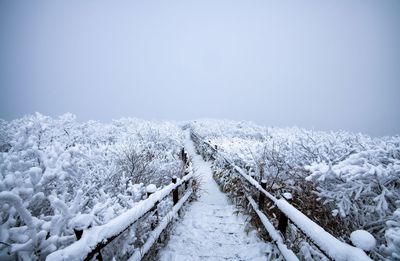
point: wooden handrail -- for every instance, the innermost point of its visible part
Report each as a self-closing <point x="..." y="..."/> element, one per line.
<point x="161" y="227"/>
<point x="324" y="241"/>
<point x="91" y="241"/>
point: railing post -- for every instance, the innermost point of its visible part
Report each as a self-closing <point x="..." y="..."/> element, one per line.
<point x="261" y="197"/>
<point x="283" y="219"/>
<point x="183" y="154"/>
<point x="283" y="222"/>
<point x="186" y="158"/>
<point x="78" y="233"/>
<point x="79" y="227"/>
<point x="187" y="181"/>
<point x="175" y="195"/>
<point x="99" y="256"/>
<point x="150" y="189"/>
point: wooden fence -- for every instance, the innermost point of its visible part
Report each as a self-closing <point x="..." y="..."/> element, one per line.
<point x="326" y="243"/>
<point x="91" y="241"/>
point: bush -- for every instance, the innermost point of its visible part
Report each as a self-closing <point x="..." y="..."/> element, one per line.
<point x="341" y="180"/>
<point x="57" y="171"/>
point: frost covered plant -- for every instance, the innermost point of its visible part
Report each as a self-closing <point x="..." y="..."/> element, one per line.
<point x="365" y="190"/>
<point x="392" y="236"/>
<point x="343" y="181"/>
<point x="57" y="175"/>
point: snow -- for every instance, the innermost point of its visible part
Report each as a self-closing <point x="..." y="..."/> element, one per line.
<point x="353" y="176"/>
<point x="210" y="229"/>
<point x="95" y="235"/>
<point x="274" y="234"/>
<point x="16" y="202"/>
<point x="335" y="249"/>
<point x="58" y="174"/>
<point x="363" y="239"/>
<point x="287" y="196"/>
<point x="254" y="183"/>
<point x="81" y="222"/>
<point x="157" y="231"/>
<point x="151" y="188"/>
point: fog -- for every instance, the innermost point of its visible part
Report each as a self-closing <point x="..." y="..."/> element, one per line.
<point x="326" y="65"/>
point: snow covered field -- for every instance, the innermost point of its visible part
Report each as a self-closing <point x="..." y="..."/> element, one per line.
<point x="58" y="174"/>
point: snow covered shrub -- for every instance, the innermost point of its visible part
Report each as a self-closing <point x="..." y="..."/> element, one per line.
<point x="392" y="236"/>
<point x="343" y="181"/>
<point x="57" y="175"/>
<point x="4" y="137"/>
<point x="365" y="191"/>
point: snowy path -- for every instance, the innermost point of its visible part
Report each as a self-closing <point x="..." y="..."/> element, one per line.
<point x="210" y="228"/>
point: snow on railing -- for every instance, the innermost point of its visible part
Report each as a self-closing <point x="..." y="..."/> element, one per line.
<point x="275" y="235"/>
<point x="328" y="244"/>
<point x="92" y="240"/>
<point x="160" y="228"/>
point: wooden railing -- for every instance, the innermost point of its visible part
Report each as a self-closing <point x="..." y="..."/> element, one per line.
<point x="91" y="241"/>
<point x="330" y="246"/>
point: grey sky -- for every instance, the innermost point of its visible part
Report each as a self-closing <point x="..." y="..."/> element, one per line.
<point x="322" y="64"/>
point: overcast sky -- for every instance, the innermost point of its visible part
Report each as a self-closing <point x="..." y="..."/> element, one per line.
<point x="326" y="65"/>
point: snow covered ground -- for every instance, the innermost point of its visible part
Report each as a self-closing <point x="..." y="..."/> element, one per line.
<point x="211" y="228"/>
